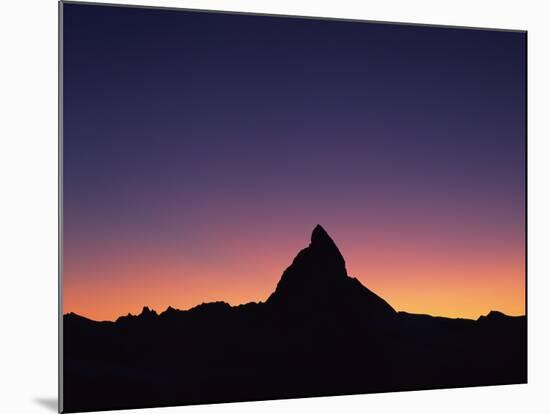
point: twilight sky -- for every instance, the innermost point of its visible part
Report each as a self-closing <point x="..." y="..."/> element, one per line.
<point x="200" y="150"/>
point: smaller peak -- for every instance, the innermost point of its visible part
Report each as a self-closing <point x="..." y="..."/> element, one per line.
<point x="74" y="316"/>
<point x="170" y="311"/>
<point x="219" y="304"/>
<point x="148" y="312"/>
<point x="496" y="315"/>
<point x="493" y="316"/>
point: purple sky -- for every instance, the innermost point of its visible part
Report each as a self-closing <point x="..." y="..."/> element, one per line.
<point x="197" y="141"/>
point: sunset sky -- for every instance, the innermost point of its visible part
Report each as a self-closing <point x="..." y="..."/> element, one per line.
<point x="200" y="150"/>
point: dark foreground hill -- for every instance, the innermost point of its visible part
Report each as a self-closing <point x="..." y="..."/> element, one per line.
<point x="320" y="333"/>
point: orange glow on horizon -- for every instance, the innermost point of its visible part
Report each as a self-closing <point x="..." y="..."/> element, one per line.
<point x="437" y="286"/>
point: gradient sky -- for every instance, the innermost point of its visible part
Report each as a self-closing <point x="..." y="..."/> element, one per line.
<point x="200" y="150"/>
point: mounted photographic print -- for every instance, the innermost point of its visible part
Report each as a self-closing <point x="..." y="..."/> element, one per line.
<point x="260" y="207"/>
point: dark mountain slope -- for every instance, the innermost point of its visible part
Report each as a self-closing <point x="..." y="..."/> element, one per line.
<point x="317" y="281"/>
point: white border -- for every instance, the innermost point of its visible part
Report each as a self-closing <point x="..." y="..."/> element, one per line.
<point x="28" y="184"/>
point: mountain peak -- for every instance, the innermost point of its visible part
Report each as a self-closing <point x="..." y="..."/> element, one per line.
<point x="318" y="277"/>
<point x="325" y="250"/>
<point x="147" y="313"/>
<point x="319" y="234"/>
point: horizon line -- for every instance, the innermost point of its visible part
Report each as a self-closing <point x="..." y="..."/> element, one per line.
<point x="262" y="302"/>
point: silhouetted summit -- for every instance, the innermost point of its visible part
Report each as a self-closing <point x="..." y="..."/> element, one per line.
<point x="317" y="281"/>
<point x="321" y="332"/>
<point x="326" y="250"/>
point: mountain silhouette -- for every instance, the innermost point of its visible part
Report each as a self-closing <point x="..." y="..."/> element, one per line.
<point x="317" y="280"/>
<point x="321" y="332"/>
